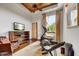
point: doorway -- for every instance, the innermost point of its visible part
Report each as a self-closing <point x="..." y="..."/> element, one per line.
<point x="34" y="31"/>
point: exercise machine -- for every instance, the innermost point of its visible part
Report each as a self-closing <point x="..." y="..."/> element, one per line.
<point x="48" y="44"/>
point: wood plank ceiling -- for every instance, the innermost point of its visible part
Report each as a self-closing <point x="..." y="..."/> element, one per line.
<point x="37" y="6"/>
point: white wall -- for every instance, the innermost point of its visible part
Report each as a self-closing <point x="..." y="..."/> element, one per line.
<point x="71" y="35"/>
<point x="8" y="16"/>
<point x="37" y="17"/>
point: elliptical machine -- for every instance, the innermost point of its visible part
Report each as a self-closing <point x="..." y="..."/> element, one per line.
<point x="48" y="44"/>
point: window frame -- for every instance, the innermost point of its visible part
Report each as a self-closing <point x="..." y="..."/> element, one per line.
<point x="47" y="22"/>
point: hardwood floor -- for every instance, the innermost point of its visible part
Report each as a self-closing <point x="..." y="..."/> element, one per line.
<point x="22" y="45"/>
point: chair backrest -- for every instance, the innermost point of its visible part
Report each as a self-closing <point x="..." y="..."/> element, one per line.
<point x="4" y="40"/>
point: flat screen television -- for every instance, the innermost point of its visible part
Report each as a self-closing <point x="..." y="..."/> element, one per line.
<point x="18" y="26"/>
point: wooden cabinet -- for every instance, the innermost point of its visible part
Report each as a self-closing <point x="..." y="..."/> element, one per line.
<point x="18" y="38"/>
<point x="13" y="36"/>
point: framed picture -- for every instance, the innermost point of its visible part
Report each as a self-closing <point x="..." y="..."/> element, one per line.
<point x="18" y="26"/>
<point x="72" y="15"/>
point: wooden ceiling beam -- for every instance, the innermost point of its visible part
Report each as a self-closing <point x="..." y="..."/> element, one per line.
<point x="47" y="5"/>
<point x="40" y="6"/>
<point x="27" y="7"/>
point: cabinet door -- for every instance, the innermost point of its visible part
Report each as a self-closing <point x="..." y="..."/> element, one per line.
<point x="13" y="36"/>
<point x="26" y="35"/>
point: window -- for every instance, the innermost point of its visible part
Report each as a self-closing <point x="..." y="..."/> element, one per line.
<point x="74" y="19"/>
<point x="74" y="16"/>
<point x="51" y="23"/>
